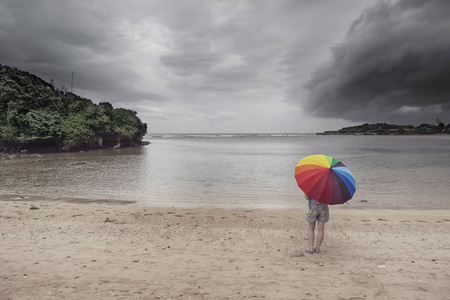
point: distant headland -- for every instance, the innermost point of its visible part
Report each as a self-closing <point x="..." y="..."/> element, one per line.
<point x="35" y="117"/>
<point x="392" y="129"/>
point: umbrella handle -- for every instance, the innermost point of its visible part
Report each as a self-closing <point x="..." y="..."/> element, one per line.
<point x="309" y="207"/>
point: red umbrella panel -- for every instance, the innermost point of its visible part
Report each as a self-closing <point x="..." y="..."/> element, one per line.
<point x="325" y="179"/>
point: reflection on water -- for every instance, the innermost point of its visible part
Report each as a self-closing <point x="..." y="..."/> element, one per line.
<point x="253" y="171"/>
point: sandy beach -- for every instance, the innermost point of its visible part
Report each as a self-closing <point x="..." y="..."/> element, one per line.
<point x="68" y="250"/>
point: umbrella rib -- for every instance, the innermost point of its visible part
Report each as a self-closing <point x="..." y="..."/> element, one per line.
<point x="320" y="186"/>
<point x="347" y="178"/>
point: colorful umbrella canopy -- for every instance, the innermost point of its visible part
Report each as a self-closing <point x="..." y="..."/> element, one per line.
<point x="325" y="179"/>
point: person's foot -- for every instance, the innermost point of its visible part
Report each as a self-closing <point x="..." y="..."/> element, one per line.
<point x="310" y="252"/>
<point x="316" y="251"/>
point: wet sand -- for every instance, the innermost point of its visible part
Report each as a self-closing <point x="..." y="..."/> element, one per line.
<point x="68" y="250"/>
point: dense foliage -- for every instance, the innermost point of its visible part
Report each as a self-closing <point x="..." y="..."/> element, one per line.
<point x="387" y="129"/>
<point x="31" y="109"/>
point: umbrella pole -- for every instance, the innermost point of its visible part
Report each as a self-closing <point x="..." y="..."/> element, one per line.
<point x="309" y="207"/>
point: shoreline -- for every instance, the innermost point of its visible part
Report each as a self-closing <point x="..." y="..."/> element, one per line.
<point x="18" y="197"/>
<point x="61" y="250"/>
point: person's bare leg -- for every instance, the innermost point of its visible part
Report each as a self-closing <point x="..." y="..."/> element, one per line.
<point x="311" y="228"/>
<point x="320" y="235"/>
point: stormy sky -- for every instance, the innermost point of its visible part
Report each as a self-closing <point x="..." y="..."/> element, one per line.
<point x="239" y="65"/>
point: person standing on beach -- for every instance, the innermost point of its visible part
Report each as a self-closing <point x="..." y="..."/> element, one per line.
<point x="319" y="213"/>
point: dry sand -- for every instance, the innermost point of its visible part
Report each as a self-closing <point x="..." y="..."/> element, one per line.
<point x="66" y="250"/>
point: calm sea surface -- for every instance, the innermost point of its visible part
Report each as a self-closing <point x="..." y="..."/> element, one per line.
<point x="240" y="171"/>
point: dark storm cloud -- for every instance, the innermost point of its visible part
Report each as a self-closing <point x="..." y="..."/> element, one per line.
<point x="393" y="66"/>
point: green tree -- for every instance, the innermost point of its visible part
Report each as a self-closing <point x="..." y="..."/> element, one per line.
<point x="75" y="128"/>
<point x="43" y="123"/>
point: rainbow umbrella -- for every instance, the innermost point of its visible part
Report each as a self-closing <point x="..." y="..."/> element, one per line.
<point x="325" y="179"/>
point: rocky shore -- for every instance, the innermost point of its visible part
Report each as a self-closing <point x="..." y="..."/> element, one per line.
<point x="53" y="145"/>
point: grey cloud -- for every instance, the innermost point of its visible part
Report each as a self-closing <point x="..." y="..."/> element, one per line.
<point x="230" y="55"/>
<point x="393" y="66"/>
<point x="180" y="62"/>
<point x="52" y="39"/>
<point x="190" y="62"/>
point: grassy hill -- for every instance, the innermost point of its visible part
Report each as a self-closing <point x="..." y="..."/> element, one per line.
<point x="34" y="116"/>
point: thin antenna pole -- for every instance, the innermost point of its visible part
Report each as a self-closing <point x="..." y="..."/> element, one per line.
<point x="71" y="85"/>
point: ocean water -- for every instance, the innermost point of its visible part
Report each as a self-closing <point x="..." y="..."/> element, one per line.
<point x="240" y="171"/>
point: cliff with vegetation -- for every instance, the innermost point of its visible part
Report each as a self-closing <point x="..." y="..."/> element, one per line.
<point x="391" y="129"/>
<point x="36" y="117"/>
